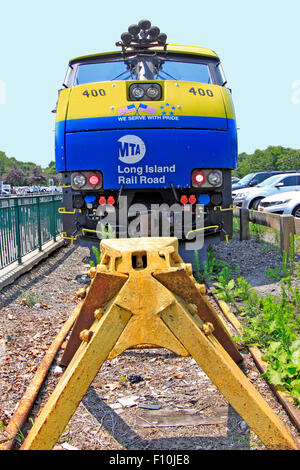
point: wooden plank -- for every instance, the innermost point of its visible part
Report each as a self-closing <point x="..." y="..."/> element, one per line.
<point x="244" y="224"/>
<point x="287" y="227"/>
<point x="266" y="219"/>
<point x="297" y="226"/>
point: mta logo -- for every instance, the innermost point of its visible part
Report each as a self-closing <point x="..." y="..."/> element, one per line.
<point x="131" y="149"/>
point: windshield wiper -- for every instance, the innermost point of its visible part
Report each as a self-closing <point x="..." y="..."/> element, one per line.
<point x="120" y="75"/>
<point x="166" y="73"/>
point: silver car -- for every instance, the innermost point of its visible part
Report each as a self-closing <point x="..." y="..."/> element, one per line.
<point x="284" y="203"/>
<point x="277" y="184"/>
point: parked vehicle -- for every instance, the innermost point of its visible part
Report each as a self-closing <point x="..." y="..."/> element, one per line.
<point x="253" y="179"/>
<point x="5" y="189"/>
<point x="235" y="180"/>
<point x="277" y="184"/>
<point x="283" y="203"/>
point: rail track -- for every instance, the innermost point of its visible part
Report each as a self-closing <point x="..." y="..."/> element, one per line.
<point x="38" y="386"/>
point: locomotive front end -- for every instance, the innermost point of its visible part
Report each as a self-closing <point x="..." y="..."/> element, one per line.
<point x="152" y="125"/>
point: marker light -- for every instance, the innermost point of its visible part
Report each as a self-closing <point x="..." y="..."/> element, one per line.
<point x="94" y="180"/>
<point x="204" y="199"/>
<point x="199" y="178"/>
<point x="102" y="201"/>
<point x="184" y="199"/>
<point x="111" y="200"/>
<point x="192" y="199"/>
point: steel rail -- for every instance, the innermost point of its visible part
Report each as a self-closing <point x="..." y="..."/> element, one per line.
<point x="20" y="415"/>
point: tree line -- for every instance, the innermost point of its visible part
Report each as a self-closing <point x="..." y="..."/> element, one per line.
<point x="273" y="158"/>
<point x="19" y="173"/>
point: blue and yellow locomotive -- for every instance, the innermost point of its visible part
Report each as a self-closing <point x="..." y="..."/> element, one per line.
<point x="151" y="121"/>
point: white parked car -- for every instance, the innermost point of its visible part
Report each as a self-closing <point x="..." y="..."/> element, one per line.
<point x="276" y="184"/>
<point x="284" y="203"/>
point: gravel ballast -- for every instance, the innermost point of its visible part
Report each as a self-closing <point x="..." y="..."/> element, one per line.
<point x="145" y="398"/>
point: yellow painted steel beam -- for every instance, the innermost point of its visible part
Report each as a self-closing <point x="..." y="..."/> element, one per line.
<point x="152" y="299"/>
<point x="104" y="286"/>
<point x="77" y="378"/>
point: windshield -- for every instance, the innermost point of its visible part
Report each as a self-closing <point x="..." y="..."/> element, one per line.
<point x="269" y="181"/>
<point x="246" y="179"/>
<point x="143" y="68"/>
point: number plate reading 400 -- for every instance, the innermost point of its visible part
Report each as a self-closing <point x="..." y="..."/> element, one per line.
<point x="201" y="92"/>
<point x="94" y="93"/>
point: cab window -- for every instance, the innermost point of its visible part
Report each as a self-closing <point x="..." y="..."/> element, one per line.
<point x="163" y="69"/>
<point x="192" y="72"/>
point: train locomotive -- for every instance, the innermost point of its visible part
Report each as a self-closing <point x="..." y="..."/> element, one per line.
<point x="152" y="124"/>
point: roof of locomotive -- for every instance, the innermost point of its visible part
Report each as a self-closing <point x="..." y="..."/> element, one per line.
<point x="173" y="48"/>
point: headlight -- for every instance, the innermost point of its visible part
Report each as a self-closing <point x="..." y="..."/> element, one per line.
<point x="241" y="195"/>
<point x="278" y="203"/>
<point x="79" y="180"/>
<point x="86" y="180"/>
<point x="153" y="92"/>
<point x="137" y="92"/>
<point x="214" y="178"/>
<point x="145" y="92"/>
<point x="206" y="178"/>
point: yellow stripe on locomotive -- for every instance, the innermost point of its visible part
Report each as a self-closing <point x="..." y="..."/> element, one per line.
<point x="185" y="98"/>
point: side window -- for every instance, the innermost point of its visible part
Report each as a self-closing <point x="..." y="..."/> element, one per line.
<point x="259" y="178"/>
<point x="290" y="181"/>
<point x="221" y="75"/>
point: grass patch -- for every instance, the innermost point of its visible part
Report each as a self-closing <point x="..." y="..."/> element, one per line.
<point x="270" y="322"/>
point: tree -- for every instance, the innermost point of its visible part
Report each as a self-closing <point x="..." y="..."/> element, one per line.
<point x="36" y="176"/>
<point x="51" y="169"/>
<point x="15" y="176"/>
<point x="273" y="158"/>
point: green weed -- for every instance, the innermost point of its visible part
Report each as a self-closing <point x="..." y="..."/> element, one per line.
<point x="270" y="322"/>
<point x="105" y="233"/>
<point x="30" y="298"/>
<point x="210" y="269"/>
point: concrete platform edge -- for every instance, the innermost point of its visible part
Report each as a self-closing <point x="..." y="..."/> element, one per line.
<point x="27" y="265"/>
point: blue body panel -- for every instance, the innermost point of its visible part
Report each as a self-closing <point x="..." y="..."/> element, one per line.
<point x="147" y="157"/>
<point x="60" y="150"/>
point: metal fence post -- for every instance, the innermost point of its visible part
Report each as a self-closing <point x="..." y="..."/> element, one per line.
<point x="18" y="235"/>
<point x="54" y="218"/>
<point x="39" y="223"/>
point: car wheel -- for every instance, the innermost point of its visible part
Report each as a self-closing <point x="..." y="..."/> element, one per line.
<point x="255" y="203"/>
<point x="296" y="211"/>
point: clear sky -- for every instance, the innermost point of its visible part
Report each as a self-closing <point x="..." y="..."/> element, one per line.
<point x="257" y="40"/>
